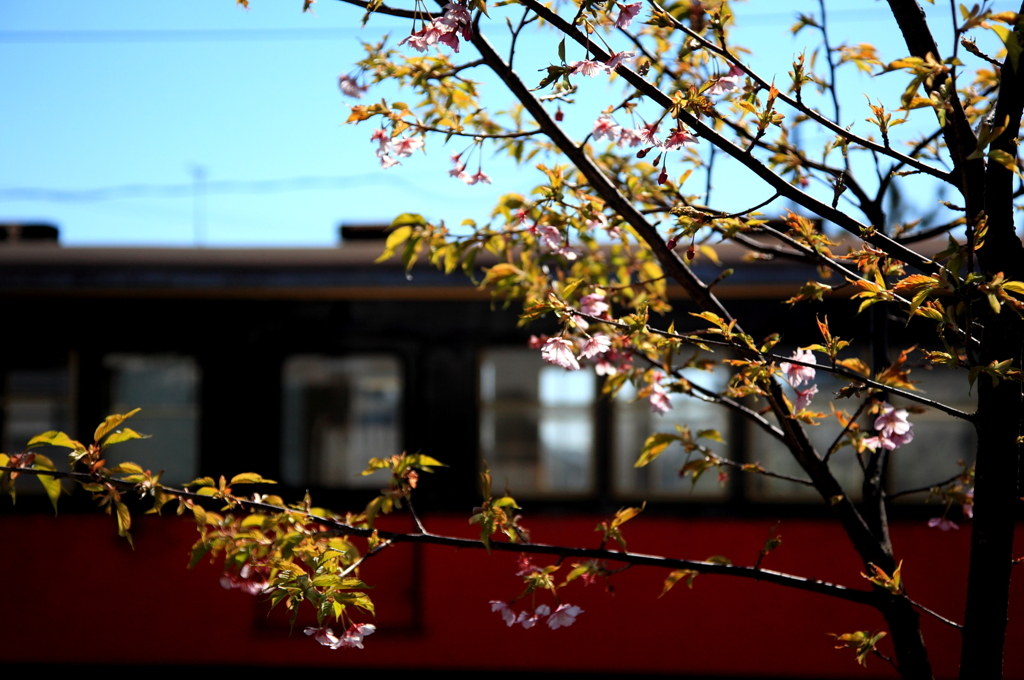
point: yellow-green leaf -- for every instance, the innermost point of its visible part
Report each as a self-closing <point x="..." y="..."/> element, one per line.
<point x="1009" y="38"/>
<point x="124" y="520"/>
<point x="123" y="435"/>
<point x="54" y="438"/>
<point x="713" y="435"/>
<point x="653" y="447"/>
<point x="130" y="468"/>
<point x="250" y="478"/>
<point x="111" y="422"/>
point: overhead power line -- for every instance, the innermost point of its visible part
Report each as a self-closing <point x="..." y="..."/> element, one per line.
<point x="183" y="35"/>
<point x="185" y="190"/>
<point x="276" y="34"/>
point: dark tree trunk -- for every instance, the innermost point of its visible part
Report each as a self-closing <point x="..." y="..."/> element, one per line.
<point x="988" y="584"/>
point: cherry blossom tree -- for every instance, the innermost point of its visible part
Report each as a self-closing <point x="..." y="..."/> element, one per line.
<point x="617" y="215"/>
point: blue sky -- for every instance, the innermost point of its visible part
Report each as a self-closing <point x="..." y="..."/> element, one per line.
<point x="118" y="94"/>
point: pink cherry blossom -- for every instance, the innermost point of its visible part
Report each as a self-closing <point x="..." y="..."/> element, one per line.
<point x="506" y="612"/>
<point x="354" y="635"/>
<point x="873" y="443"/>
<point x="587" y="67"/>
<point x="526" y="565"/>
<point x="795" y="374"/>
<point x="537" y="341"/>
<point x="387" y="161"/>
<point x="568" y="253"/>
<point x="458" y="19"/>
<point x="349" y="87"/>
<point x="450" y="39"/>
<point x="419" y="40"/>
<point x="605" y="128"/>
<point x="648" y="135"/>
<point x="894" y="430"/>
<point x="627" y="13"/>
<point x="558" y="351"/>
<point x="324" y="636"/>
<point x="550" y="236"/>
<point x="728" y="82"/>
<point x="457" y="171"/>
<point x="530" y="620"/>
<point x="679" y="138"/>
<point x="593" y="304"/>
<point x="481" y="176"/>
<point x="660" y="401"/>
<point x="599" y="221"/>
<point x="619" y="58"/>
<point x="605" y="367"/>
<point x="630" y="137"/>
<point x="803" y="398"/>
<point x="595" y="345"/>
<point x="383" y="141"/>
<point x="564" y="616"/>
<point x="404" y="146"/>
<point x="250" y="580"/>
<point x="893" y="421"/>
<point x="943" y="523"/>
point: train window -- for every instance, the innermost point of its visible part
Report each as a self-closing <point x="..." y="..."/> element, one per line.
<point x="338" y="413"/>
<point x="166" y="388"/>
<point x="36" y="400"/>
<point x="536" y="424"/>
<point x="766" y="450"/>
<point x="940" y="440"/>
<point x="634" y="422"/>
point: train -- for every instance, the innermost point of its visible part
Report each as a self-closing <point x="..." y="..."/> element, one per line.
<point x="300" y="364"/>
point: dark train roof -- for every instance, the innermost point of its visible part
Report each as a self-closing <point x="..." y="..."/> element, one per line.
<point x="344" y="272"/>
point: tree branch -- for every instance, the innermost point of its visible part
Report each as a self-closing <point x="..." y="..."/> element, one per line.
<point x="564" y="552"/>
<point x="841" y="219"/>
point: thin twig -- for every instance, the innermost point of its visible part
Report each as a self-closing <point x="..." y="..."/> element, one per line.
<point x="811" y="113"/>
<point x="838" y="440"/>
<point x="922" y="489"/>
<point x="481" y="135"/>
<point x="936" y="615"/>
<point x="339" y="528"/>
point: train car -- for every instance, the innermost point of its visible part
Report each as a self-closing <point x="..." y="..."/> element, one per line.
<point x="300" y="364"/>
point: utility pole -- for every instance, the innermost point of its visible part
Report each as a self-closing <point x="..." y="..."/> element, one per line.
<point x="199" y="205"/>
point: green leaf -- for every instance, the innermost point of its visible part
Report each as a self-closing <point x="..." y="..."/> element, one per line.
<point x="130" y="468"/>
<point x="124" y="521"/>
<point x="653" y="447"/>
<point x="253" y="520"/>
<point x="713" y="435"/>
<point x="199" y="551"/>
<point x="54" y="438"/>
<point x="123" y="435"/>
<point x="1009" y="38"/>
<point x="675" y="577"/>
<point x="50" y="484"/>
<point x="1004" y="159"/>
<point x="250" y="478"/>
<point x="111" y="422"/>
<point x="201" y="481"/>
<point x="422" y="462"/>
<point x="200" y="514"/>
<point x="571" y="287"/>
